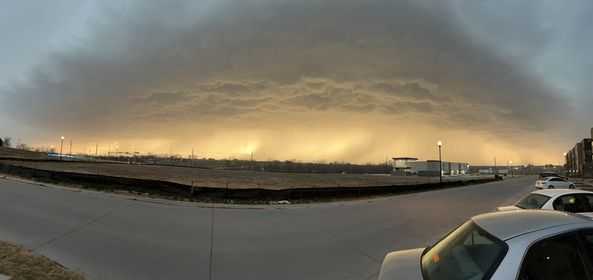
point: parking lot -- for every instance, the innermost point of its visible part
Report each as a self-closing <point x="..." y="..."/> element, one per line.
<point x="107" y="236"/>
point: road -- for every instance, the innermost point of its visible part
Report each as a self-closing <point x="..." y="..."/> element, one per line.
<point x="109" y="236"/>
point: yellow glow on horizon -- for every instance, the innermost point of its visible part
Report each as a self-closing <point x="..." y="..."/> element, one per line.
<point x="346" y="138"/>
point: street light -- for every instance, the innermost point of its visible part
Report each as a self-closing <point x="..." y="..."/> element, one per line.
<point x="511" y="167"/>
<point x="61" y="146"/>
<point x="440" y="144"/>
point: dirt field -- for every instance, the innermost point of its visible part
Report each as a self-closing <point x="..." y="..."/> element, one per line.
<point x="21" y="264"/>
<point x="15" y="153"/>
<point x="232" y="179"/>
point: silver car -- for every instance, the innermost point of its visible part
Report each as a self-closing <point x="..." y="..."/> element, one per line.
<point x="520" y="244"/>
<point x="574" y="201"/>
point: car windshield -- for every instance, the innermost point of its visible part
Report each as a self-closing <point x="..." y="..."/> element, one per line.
<point x="533" y="201"/>
<point x="467" y="253"/>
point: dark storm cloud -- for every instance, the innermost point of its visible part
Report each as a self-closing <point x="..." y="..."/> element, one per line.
<point x="222" y="59"/>
<point x="413" y="90"/>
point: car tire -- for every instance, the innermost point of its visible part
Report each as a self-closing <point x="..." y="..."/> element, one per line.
<point x="550" y="187"/>
<point x="572" y="186"/>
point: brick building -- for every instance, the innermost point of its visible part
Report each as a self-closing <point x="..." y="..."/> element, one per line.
<point x="579" y="160"/>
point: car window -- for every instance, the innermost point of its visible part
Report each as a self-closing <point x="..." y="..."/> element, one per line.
<point x="553" y="259"/>
<point x="574" y="203"/>
<point x="589" y="198"/>
<point x="556" y="180"/>
<point x="533" y="201"/>
<point x="587" y="201"/>
<point x="469" y="252"/>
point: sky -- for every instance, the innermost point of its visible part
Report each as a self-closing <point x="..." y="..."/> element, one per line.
<point x="310" y="80"/>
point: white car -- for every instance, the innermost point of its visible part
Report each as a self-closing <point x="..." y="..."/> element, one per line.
<point x="520" y="244"/>
<point x="574" y="201"/>
<point x="554" y="183"/>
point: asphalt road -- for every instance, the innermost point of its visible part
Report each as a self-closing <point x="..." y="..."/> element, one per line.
<point x="108" y="236"/>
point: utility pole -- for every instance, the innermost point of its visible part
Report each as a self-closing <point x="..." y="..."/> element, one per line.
<point x="96" y="149"/>
<point x="495" y="168"/>
<point x="70" y="150"/>
<point x="192" y="157"/>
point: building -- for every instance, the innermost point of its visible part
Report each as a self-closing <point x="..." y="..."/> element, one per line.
<point x="401" y="165"/>
<point x="411" y="166"/>
<point x="579" y="160"/>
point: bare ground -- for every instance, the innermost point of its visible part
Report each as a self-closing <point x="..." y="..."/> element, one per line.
<point x="230" y="179"/>
<point x="21" y="264"/>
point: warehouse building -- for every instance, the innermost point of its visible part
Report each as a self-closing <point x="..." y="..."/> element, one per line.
<point x="411" y="166"/>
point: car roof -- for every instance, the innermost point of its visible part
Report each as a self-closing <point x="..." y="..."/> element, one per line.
<point x="508" y="224"/>
<point x="559" y="192"/>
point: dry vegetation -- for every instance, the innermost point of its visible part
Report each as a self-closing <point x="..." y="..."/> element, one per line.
<point x="217" y="178"/>
<point x="16" y="153"/>
<point x="234" y="179"/>
<point x="21" y="264"/>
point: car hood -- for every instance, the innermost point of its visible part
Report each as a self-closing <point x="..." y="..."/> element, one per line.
<point x="508" y="208"/>
<point x="587" y="214"/>
<point x="402" y="265"/>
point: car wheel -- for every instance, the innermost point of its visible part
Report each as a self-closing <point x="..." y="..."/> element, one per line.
<point x="572" y="186"/>
<point x="550" y="187"/>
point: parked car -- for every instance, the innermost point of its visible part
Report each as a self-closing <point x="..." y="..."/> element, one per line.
<point x="520" y="244"/>
<point x="554" y="183"/>
<point x="548" y="174"/>
<point x="574" y="201"/>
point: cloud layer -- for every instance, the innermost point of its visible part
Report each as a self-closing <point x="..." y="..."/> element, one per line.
<point x="187" y="73"/>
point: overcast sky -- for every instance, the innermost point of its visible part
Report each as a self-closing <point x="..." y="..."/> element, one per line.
<point x="325" y="80"/>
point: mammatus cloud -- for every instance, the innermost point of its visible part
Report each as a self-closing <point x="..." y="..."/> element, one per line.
<point x="313" y="80"/>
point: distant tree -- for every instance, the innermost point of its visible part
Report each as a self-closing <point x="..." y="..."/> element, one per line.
<point x="7" y="142"/>
<point x="22" y="146"/>
<point x="1" y="142"/>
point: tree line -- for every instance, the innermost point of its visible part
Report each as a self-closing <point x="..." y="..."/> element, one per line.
<point x="6" y="142"/>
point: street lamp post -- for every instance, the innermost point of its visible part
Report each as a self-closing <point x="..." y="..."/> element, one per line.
<point x="511" y="167"/>
<point x="440" y="144"/>
<point x="61" y="146"/>
<point x="566" y="164"/>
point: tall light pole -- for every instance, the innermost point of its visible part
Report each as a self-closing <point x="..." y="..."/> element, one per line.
<point x="440" y="144"/>
<point x="566" y="165"/>
<point x="511" y="167"/>
<point x="61" y="146"/>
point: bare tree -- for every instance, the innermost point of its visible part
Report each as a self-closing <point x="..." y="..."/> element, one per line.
<point x="23" y="146"/>
<point x="7" y="142"/>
